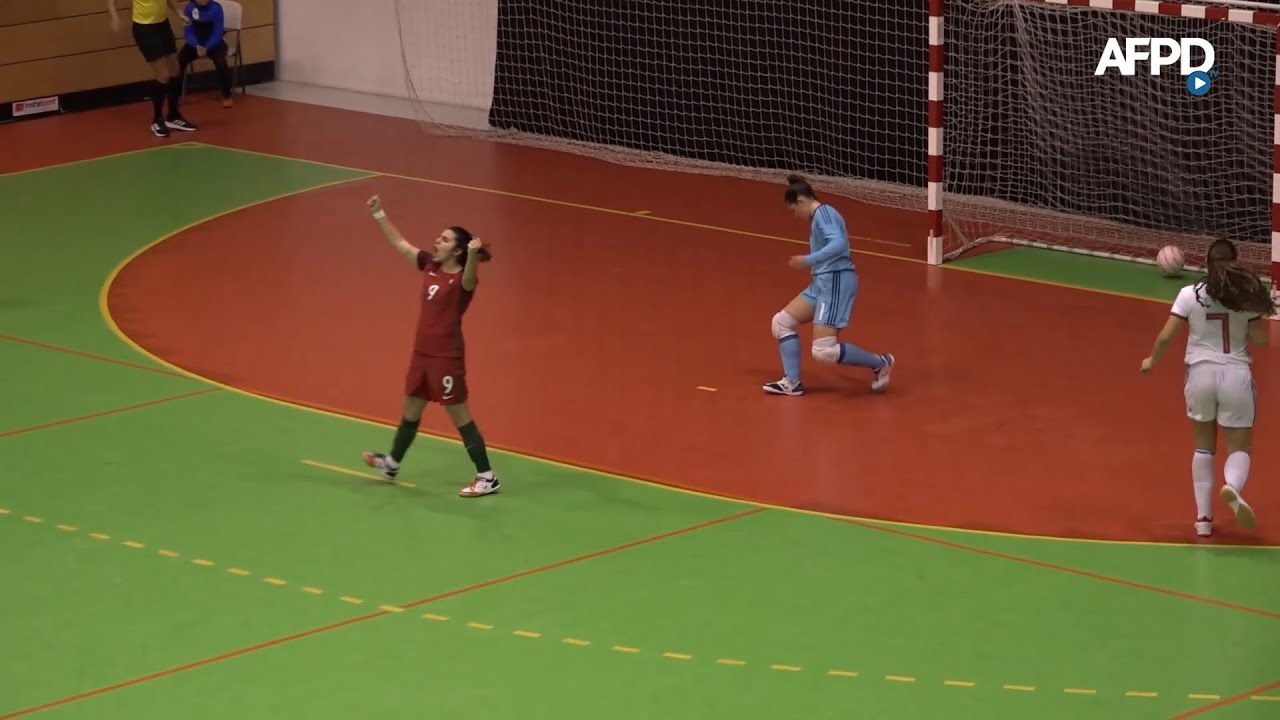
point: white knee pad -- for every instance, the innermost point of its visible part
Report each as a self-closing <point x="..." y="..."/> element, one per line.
<point x="826" y="350"/>
<point x="784" y="325"/>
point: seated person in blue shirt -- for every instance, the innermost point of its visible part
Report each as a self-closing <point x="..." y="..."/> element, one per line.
<point x="204" y="36"/>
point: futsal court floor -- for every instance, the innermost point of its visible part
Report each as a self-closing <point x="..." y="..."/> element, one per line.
<point x="199" y="335"/>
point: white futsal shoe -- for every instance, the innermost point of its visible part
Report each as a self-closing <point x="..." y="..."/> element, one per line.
<point x="784" y="387"/>
<point x="1235" y="501"/>
<point x="486" y="484"/>
<point x="383" y="463"/>
<point x="1204" y="527"/>
<point x="881" y="380"/>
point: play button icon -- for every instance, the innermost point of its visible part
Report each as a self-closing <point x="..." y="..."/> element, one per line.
<point x="1198" y="83"/>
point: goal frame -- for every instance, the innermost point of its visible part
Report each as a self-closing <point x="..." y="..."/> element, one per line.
<point x="1245" y="12"/>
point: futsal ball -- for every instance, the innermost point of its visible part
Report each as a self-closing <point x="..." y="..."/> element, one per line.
<point x="1170" y="260"/>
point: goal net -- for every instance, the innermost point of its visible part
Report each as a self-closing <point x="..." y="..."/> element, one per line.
<point x="1039" y="150"/>
<point x="1033" y="147"/>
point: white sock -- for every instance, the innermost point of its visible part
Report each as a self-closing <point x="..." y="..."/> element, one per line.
<point x="1236" y="470"/>
<point x="1202" y="481"/>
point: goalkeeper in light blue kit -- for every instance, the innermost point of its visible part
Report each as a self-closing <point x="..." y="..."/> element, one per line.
<point x="828" y="300"/>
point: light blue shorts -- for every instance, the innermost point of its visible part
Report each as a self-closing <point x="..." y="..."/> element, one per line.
<point x="831" y="295"/>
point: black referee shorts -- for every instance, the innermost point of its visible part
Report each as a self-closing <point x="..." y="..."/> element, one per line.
<point x="155" y="41"/>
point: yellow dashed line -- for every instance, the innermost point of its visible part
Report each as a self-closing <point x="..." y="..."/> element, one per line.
<point x="357" y="473"/>
<point x="617" y="648"/>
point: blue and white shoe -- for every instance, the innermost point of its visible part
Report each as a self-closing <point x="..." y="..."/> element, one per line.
<point x="784" y="387"/>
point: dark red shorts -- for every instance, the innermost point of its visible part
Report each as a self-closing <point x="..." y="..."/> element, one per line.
<point x="437" y="379"/>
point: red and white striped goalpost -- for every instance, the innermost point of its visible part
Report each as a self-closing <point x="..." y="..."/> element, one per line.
<point x="1243" y="12"/>
<point x="935" y="177"/>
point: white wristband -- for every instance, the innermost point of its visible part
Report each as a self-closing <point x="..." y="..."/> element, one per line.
<point x="380" y="214"/>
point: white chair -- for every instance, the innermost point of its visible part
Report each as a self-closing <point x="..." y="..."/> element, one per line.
<point x="232" y="22"/>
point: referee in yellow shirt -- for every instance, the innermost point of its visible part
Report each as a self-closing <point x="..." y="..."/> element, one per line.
<point x="154" y="38"/>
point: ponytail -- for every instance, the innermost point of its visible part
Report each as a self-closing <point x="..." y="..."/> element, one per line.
<point x="798" y="187"/>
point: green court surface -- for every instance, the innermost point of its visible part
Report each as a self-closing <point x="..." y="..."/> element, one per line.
<point x="1084" y="271"/>
<point x="209" y="554"/>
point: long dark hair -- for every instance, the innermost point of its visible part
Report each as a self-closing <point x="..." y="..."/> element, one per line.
<point x="462" y="237"/>
<point x="1233" y="285"/>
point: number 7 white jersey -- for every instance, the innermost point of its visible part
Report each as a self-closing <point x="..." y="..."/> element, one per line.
<point x="1216" y="334"/>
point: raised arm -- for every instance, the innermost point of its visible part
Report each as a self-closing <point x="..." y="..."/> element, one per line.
<point x="473" y="262"/>
<point x="389" y="231"/>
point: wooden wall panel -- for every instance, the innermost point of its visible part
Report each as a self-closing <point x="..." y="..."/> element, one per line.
<point x="90" y="71"/>
<point x="68" y="36"/>
<point x="55" y="47"/>
<point x="17" y="12"/>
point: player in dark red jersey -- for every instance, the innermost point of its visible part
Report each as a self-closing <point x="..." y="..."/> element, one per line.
<point x="437" y="367"/>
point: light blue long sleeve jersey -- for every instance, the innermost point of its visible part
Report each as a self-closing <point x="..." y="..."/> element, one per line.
<point x="828" y="242"/>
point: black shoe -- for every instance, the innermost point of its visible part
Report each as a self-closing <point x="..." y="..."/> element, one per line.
<point x="177" y="122"/>
<point x="159" y="129"/>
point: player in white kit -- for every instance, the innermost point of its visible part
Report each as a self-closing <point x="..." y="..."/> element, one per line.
<point x="1224" y="312"/>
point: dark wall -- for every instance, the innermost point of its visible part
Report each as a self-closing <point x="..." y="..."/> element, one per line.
<point x="841" y="89"/>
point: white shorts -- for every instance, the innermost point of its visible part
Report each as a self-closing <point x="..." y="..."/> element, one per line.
<point x="1220" y="392"/>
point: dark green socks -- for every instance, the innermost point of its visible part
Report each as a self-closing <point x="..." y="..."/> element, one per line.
<point x="474" y="442"/>
<point x="404" y="438"/>
<point x="471" y="439"/>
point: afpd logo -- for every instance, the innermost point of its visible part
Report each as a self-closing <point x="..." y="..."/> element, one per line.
<point x="1163" y="52"/>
